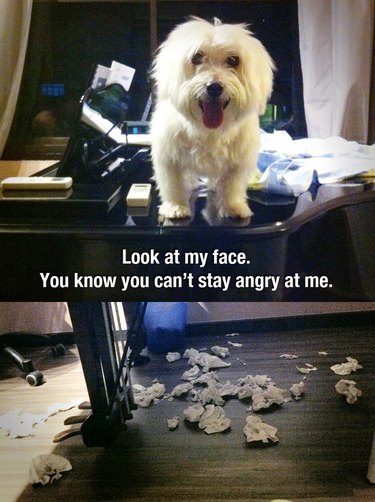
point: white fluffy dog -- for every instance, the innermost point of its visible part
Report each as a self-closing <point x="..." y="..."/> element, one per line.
<point x="212" y="83"/>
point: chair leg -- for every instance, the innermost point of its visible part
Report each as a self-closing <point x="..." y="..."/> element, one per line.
<point x="10" y="340"/>
<point x="25" y="364"/>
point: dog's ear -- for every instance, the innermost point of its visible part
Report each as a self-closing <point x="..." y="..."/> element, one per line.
<point x="259" y="67"/>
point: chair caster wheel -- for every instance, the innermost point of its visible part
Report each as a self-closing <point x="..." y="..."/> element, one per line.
<point x="34" y="378"/>
<point x="58" y="350"/>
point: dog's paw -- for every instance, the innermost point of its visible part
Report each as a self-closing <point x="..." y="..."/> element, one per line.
<point x="174" y="211"/>
<point x="237" y="210"/>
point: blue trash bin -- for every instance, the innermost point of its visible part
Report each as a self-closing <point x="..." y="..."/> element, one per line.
<point x="165" y="324"/>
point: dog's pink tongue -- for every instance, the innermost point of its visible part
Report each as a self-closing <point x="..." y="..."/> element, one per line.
<point x="213" y="114"/>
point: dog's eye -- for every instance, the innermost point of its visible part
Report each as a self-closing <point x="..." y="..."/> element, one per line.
<point x="233" y="61"/>
<point x="197" y="59"/>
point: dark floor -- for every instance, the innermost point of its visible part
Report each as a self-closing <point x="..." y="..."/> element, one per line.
<point x="322" y="454"/>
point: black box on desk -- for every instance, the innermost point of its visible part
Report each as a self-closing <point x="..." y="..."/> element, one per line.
<point x="80" y="201"/>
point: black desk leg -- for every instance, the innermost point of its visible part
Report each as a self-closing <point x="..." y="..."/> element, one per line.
<point x="106" y="370"/>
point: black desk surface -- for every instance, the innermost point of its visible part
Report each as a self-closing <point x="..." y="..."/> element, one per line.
<point x="328" y="231"/>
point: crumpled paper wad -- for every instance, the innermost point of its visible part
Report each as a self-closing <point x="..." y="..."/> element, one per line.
<point x="210" y="418"/>
<point x="173" y="356"/>
<point x="145" y="396"/>
<point x="256" y="430"/>
<point x="213" y="420"/>
<point x="203" y="359"/>
<point x="349" y="390"/>
<point x="173" y="423"/>
<point x="47" y="468"/>
<point x="346" y="368"/>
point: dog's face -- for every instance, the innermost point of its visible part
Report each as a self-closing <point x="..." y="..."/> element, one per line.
<point x="213" y="74"/>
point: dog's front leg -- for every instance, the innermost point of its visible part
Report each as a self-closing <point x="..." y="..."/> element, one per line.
<point x="231" y="195"/>
<point x="174" y="191"/>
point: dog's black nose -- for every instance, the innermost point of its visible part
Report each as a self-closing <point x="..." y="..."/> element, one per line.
<point x="214" y="89"/>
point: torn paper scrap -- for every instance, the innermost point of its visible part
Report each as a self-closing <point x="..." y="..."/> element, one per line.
<point x="191" y="374"/>
<point x="57" y="407"/>
<point x="206" y="378"/>
<point x="235" y="344"/>
<point x="48" y="468"/>
<point x="228" y="389"/>
<point x="289" y="356"/>
<point x="207" y="361"/>
<point x="245" y="391"/>
<point x="264" y="398"/>
<point x="181" y="389"/>
<point x="297" y="389"/>
<point x="346" y="368"/>
<point x="220" y="351"/>
<point x="257" y="380"/>
<point x="241" y="361"/>
<point x="308" y="368"/>
<point x="256" y="430"/>
<point x="190" y="353"/>
<point x="349" y="390"/>
<point x="323" y="353"/>
<point x="209" y="395"/>
<point x="173" y="423"/>
<point x="213" y="420"/>
<point x="215" y="392"/>
<point x="194" y="412"/>
<point x="173" y="356"/>
<point x="18" y="425"/>
<point x="145" y="396"/>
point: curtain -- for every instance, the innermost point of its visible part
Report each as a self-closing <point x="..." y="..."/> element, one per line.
<point x="15" y="19"/>
<point x="336" y="38"/>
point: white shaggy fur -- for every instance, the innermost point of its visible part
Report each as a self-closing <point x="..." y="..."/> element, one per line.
<point x="204" y="130"/>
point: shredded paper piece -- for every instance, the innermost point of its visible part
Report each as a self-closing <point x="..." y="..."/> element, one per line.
<point x="308" y="368"/>
<point x="220" y="351"/>
<point x="349" y="390"/>
<point x="213" y="420"/>
<point x="263" y="399"/>
<point x="210" y="395"/>
<point x="297" y="389"/>
<point x="206" y="378"/>
<point x="173" y="423"/>
<point x="191" y="374"/>
<point x="256" y="430"/>
<point x="203" y="359"/>
<point x="145" y="396"/>
<point x="180" y="389"/>
<point x="210" y="418"/>
<point x="194" y="412"/>
<point x="17" y="425"/>
<point x="346" y="368"/>
<point x="173" y="356"/>
<point x="235" y="344"/>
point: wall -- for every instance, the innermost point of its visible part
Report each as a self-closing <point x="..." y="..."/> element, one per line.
<point x="53" y="317"/>
<point x="34" y="317"/>
<point x="225" y="311"/>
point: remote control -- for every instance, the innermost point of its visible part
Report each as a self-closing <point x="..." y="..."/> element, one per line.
<point x="139" y="195"/>
<point x="36" y="183"/>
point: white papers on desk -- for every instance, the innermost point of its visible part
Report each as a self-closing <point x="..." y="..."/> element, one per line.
<point x="93" y="119"/>
<point x="290" y="166"/>
<point x="117" y="74"/>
